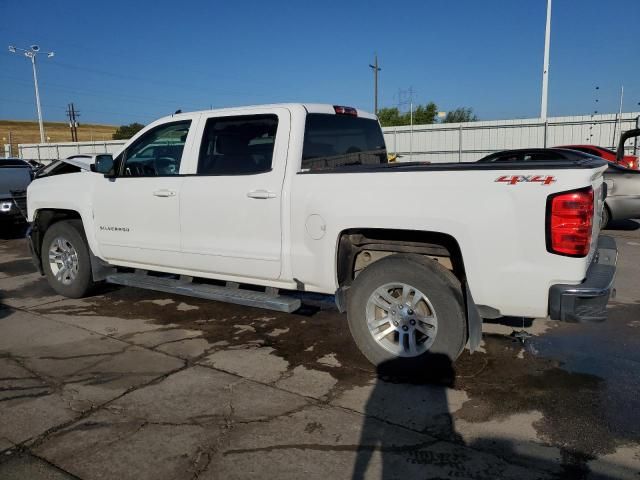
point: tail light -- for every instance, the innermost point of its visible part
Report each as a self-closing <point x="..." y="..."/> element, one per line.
<point x="340" y="110"/>
<point x="569" y="222"/>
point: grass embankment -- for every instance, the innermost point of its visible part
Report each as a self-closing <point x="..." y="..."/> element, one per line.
<point x="28" y="132"/>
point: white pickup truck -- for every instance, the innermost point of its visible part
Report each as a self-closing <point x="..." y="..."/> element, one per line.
<point x="254" y="205"/>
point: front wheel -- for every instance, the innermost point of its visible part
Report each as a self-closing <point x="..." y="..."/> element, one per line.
<point x="406" y="310"/>
<point x="65" y="259"/>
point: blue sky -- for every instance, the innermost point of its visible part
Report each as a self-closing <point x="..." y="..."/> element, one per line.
<point x="138" y="60"/>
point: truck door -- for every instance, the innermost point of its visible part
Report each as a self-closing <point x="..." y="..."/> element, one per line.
<point x="137" y="212"/>
<point x="231" y="208"/>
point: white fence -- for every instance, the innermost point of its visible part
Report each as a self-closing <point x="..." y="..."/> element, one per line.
<point x="45" y="152"/>
<point x="468" y="142"/>
<point x="443" y="142"/>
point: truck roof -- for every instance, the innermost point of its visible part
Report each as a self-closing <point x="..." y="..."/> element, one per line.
<point x="309" y="107"/>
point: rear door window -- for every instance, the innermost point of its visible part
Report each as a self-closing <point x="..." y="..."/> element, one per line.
<point x="337" y="140"/>
<point x="241" y="145"/>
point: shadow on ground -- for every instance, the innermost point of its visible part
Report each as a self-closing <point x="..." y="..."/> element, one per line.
<point x="448" y="455"/>
<point x="623" y="225"/>
<point x="379" y="435"/>
<point x="11" y="230"/>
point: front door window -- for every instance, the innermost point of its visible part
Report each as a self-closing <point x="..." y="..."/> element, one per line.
<point x="156" y="153"/>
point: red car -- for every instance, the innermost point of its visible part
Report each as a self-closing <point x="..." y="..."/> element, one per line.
<point x="628" y="161"/>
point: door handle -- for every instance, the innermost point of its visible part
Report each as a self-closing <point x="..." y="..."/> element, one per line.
<point x="164" y="193"/>
<point x="261" y="194"/>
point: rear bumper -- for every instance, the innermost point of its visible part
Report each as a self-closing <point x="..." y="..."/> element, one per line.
<point x="587" y="301"/>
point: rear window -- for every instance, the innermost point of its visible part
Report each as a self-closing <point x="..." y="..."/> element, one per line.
<point x="337" y="140"/>
<point x="590" y="151"/>
<point x="13" y="162"/>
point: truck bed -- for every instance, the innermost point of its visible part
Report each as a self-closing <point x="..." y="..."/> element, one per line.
<point x="464" y="166"/>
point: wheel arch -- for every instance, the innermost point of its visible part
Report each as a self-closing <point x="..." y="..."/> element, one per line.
<point x="354" y="241"/>
<point x="43" y="219"/>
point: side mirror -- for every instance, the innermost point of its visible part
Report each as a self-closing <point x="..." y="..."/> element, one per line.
<point x="104" y="164"/>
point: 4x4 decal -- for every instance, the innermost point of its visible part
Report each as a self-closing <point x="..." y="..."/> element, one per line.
<point x="515" y="179"/>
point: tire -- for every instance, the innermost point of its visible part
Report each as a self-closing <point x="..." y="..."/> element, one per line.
<point x="606" y="217"/>
<point x="70" y="274"/>
<point x="442" y="306"/>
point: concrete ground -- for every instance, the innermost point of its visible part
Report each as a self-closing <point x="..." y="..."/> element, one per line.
<point x="132" y="384"/>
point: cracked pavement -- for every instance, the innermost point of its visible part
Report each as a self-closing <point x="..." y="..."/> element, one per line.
<point x="132" y="384"/>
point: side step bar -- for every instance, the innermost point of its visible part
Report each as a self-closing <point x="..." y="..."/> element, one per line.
<point x="230" y="294"/>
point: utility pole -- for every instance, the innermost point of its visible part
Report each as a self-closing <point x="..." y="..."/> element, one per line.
<point x="31" y="54"/>
<point x="545" y="68"/>
<point x="635" y="140"/>
<point x="73" y="121"/>
<point x="411" y="123"/>
<point x="75" y="116"/>
<point x="401" y="95"/>
<point x="376" y="69"/>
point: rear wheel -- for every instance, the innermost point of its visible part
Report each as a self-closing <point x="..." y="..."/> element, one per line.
<point x="65" y="259"/>
<point x="606" y="217"/>
<point x="405" y="309"/>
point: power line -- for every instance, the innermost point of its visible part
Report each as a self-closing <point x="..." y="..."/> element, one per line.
<point x="102" y="73"/>
<point x="248" y="93"/>
<point x="124" y="115"/>
<point x="102" y="94"/>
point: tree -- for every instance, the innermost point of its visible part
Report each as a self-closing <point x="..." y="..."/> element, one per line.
<point x="459" y="115"/>
<point x="390" y="117"/>
<point x="125" y="132"/>
<point x="422" y="114"/>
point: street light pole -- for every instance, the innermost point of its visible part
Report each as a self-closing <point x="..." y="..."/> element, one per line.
<point x="35" y="83"/>
<point x="545" y="68"/>
<point x="31" y="54"/>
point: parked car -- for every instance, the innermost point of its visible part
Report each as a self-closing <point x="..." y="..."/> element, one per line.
<point x="14" y="162"/>
<point x="268" y="202"/>
<point x="535" y="155"/>
<point x="623" y="184"/>
<point x="623" y="194"/>
<point x="629" y="161"/>
<point x="15" y="176"/>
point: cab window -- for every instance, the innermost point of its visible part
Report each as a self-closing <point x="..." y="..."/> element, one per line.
<point x="241" y="145"/>
<point x="156" y="153"/>
<point x="337" y="140"/>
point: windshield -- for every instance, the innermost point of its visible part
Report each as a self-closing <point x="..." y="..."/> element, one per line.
<point x="337" y="140"/>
